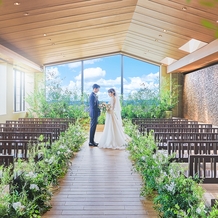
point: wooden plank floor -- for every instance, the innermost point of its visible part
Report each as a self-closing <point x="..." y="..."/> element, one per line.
<point x="100" y="184"/>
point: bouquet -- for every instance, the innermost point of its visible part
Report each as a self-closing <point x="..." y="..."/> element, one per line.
<point x="105" y="107"/>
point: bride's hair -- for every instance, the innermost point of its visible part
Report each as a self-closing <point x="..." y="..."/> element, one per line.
<point x="111" y="90"/>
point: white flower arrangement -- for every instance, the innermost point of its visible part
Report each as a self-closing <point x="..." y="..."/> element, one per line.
<point x="105" y="106"/>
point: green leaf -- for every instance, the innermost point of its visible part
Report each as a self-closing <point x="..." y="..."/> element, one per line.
<point x="216" y="34"/>
<point x="208" y="24"/>
<point x="206" y="3"/>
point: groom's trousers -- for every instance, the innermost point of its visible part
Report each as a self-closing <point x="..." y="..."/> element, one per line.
<point x="93" y="124"/>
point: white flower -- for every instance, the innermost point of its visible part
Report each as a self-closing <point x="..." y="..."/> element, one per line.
<point x="49" y="161"/>
<point x="170" y="187"/>
<point x="31" y="175"/>
<point x="18" y="205"/>
<point x="34" y="186"/>
<point x="143" y="158"/>
<point x="62" y="147"/>
<point x="198" y="210"/>
<point x="58" y="152"/>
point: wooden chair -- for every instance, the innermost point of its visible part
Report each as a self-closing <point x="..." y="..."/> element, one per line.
<point x="183" y="148"/>
<point x="204" y="167"/>
<point x="6" y="160"/>
<point x="170" y="127"/>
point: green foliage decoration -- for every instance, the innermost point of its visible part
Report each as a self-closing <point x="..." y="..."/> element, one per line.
<point x="30" y="192"/>
<point x="174" y="194"/>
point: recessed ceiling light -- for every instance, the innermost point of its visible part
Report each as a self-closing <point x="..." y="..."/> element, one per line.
<point x="217" y="21"/>
<point x="26" y="14"/>
<point x="44" y="34"/>
<point x="184" y="8"/>
<point x="16" y="3"/>
<point x="49" y="39"/>
<point x="165" y="30"/>
<point x="156" y="40"/>
<point x="160" y="35"/>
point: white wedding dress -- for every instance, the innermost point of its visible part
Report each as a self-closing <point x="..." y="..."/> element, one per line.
<point x="113" y="135"/>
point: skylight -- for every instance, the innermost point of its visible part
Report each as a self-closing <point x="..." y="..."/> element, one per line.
<point x="192" y="45"/>
<point x="167" y="61"/>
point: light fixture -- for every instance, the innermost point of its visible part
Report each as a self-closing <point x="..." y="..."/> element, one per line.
<point x="49" y="39"/>
<point x="44" y="34"/>
<point x="16" y="3"/>
<point x="217" y="21"/>
<point x="165" y="31"/>
<point x="184" y="8"/>
<point x="156" y="40"/>
<point x="53" y="44"/>
<point x="160" y="35"/>
<point x="26" y="14"/>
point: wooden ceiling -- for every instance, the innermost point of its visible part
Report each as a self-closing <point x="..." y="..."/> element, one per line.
<point x="54" y="31"/>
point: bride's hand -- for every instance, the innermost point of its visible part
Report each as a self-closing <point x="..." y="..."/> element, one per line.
<point x="110" y="111"/>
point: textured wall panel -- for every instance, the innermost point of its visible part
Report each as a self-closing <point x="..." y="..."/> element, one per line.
<point x="200" y="95"/>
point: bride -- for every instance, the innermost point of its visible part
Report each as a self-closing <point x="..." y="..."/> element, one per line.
<point x="113" y="135"/>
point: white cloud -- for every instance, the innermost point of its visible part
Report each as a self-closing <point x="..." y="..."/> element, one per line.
<point x="92" y="61"/>
<point x="149" y="81"/>
<point x="92" y="73"/>
<point x="74" y="64"/>
<point x="74" y="85"/>
<point x="78" y="64"/>
<point x="152" y="77"/>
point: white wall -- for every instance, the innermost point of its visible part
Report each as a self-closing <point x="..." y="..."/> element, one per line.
<point x="3" y="103"/>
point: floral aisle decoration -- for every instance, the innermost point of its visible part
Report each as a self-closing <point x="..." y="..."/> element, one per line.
<point x="174" y="194"/>
<point x="179" y="196"/>
<point x="31" y="191"/>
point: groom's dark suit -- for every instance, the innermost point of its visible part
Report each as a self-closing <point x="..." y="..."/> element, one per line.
<point x="94" y="113"/>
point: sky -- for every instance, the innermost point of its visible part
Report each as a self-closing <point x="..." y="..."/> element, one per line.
<point x="106" y="72"/>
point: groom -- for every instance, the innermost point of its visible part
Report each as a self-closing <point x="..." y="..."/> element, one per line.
<point x="94" y="113"/>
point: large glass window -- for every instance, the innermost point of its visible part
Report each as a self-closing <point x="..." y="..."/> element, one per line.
<point x="19" y="91"/>
<point x="106" y="72"/>
<point x="78" y="77"/>
<point x="68" y="76"/>
<point x="138" y="74"/>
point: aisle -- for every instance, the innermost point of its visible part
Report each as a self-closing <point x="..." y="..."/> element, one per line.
<point x="100" y="184"/>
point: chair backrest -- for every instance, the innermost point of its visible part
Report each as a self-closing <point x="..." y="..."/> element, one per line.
<point x="182" y="148"/>
<point x="7" y="160"/>
<point x="204" y="167"/>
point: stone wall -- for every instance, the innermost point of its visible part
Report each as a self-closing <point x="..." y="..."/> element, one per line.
<point x="200" y="95"/>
